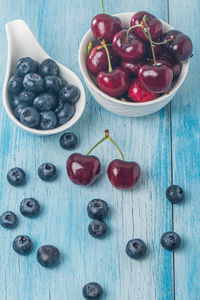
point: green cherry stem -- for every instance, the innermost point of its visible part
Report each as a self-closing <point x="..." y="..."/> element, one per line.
<point x="103" y="43"/>
<point x="162" y="43"/>
<point x="145" y="26"/>
<point x="135" y="26"/>
<point x="89" y="48"/>
<point x="107" y="137"/>
<point x="102" y="5"/>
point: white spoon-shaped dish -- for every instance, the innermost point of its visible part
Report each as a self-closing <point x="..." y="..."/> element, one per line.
<point x="22" y="43"/>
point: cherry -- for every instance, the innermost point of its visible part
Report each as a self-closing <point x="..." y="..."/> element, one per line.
<point x="97" y="60"/>
<point x="138" y="93"/>
<point x="180" y="45"/>
<point x="83" y="169"/>
<point x="174" y="64"/>
<point x="128" y="46"/>
<point x="131" y="68"/>
<point x="123" y="175"/>
<point x="156" y="78"/>
<point x="154" y="25"/>
<point x="158" y="49"/>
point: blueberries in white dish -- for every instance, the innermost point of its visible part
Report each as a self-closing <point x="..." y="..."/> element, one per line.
<point x="30" y="117"/>
<point x="48" y="120"/>
<point x="26" y="65"/>
<point x="48" y="67"/>
<point x="15" y="84"/>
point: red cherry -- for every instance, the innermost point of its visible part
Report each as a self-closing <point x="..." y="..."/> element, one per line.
<point x="157" y="49"/>
<point x="104" y="27"/>
<point x="172" y="63"/>
<point x="97" y="60"/>
<point x="156" y="79"/>
<point x="131" y="68"/>
<point x="138" y="93"/>
<point x="83" y="169"/>
<point x="113" y="83"/>
<point x="132" y="49"/>
<point x="123" y="174"/>
<point x="180" y="47"/>
<point x="154" y="25"/>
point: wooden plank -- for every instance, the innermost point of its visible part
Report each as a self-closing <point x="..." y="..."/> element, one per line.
<point x="142" y="213"/>
<point x="186" y="163"/>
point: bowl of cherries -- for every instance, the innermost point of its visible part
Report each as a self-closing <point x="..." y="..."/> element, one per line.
<point x="133" y="63"/>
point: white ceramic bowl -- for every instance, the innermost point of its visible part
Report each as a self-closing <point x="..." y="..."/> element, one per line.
<point x="22" y="43"/>
<point x="114" y="105"/>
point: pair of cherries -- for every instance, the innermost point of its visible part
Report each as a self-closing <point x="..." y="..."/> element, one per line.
<point x="130" y="48"/>
<point x="85" y="169"/>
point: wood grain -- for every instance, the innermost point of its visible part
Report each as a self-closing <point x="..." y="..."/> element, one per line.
<point x="142" y="213"/>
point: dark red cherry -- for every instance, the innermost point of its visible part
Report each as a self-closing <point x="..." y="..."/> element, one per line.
<point x="123" y="174"/>
<point x="154" y="25"/>
<point x="156" y="79"/>
<point x="113" y="83"/>
<point x="131" y="68"/>
<point x="157" y="49"/>
<point x="180" y="47"/>
<point x="83" y="169"/>
<point x="97" y="60"/>
<point x="174" y="64"/>
<point x="104" y="27"/>
<point x="138" y="93"/>
<point x="132" y="49"/>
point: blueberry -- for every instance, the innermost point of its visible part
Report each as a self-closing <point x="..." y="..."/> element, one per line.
<point x="92" y="290"/>
<point x="47" y="172"/>
<point x="68" y="141"/>
<point x="97" y="228"/>
<point x="30" y="117"/>
<point x="48" y="67"/>
<point x="48" y="120"/>
<point x="170" y="241"/>
<point x="33" y="82"/>
<point x="26" y="65"/>
<point x="18" y="110"/>
<point x="8" y="219"/>
<point x="174" y="194"/>
<point x="48" y="256"/>
<point x="14" y="101"/>
<point x="63" y="82"/>
<point x="22" y="244"/>
<point x="27" y="97"/>
<point x="97" y="209"/>
<point x="15" y="84"/>
<point x="136" y="248"/>
<point x="45" y="101"/>
<point x="52" y="83"/>
<point x="16" y="176"/>
<point x="59" y="106"/>
<point x="65" y="113"/>
<point x="29" y="207"/>
<point x="69" y="94"/>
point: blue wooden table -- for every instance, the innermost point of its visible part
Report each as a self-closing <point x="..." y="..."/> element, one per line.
<point x="165" y="144"/>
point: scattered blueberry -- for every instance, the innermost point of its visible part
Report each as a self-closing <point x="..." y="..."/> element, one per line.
<point x="63" y="82"/>
<point x="68" y="141"/>
<point x="47" y="172"/>
<point x="170" y="241"/>
<point x="15" y="84"/>
<point x="18" y="109"/>
<point x="69" y="94"/>
<point x="92" y="290"/>
<point x="33" y="82"/>
<point x="65" y="113"/>
<point x="136" y="248"/>
<point x="48" y="120"/>
<point x="29" y="207"/>
<point x="27" y="97"/>
<point x="30" y="117"/>
<point x="174" y="194"/>
<point x="97" y="209"/>
<point x="48" y="67"/>
<point x="14" y="101"/>
<point x="45" y="101"/>
<point x="16" y="176"/>
<point x="52" y="83"/>
<point x="48" y="256"/>
<point x="26" y="65"/>
<point x="22" y="244"/>
<point x="8" y="219"/>
<point x="97" y="228"/>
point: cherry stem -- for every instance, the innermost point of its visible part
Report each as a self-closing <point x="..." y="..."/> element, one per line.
<point x="102" y="6"/>
<point x="103" y="43"/>
<point x="107" y="137"/>
<point x="162" y="43"/>
<point x="144" y="22"/>
<point x="135" y="26"/>
<point x="101" y="46"/>
<point x="89" y="48"/>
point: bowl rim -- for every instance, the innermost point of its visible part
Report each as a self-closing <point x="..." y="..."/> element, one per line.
<point x="90" y="82"/>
